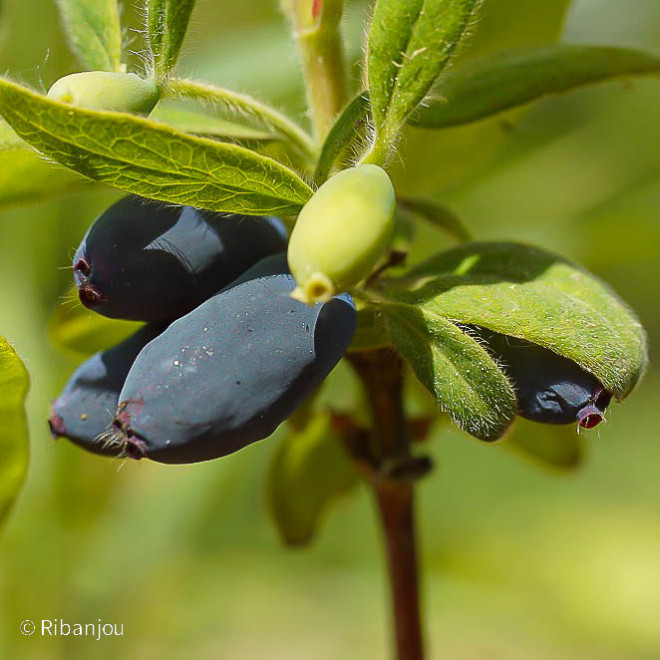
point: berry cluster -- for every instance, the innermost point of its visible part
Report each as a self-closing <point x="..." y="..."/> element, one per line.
<point x="227" y="354"/>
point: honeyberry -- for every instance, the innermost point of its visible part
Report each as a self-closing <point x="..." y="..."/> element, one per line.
<point x="84" y="410"/>
<point x="106" y="90"/>
<point x="550" y="388"/>
<point x="148" y="261"/>
<point x="341" y="232"/>
<point x="230" y="372"/>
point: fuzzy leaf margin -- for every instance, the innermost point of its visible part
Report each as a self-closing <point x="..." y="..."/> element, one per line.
<point x="410" y="43"/>
<point x="454" y="368"/>
<point x="151" y="159"/>
<point x="526" y="292"/>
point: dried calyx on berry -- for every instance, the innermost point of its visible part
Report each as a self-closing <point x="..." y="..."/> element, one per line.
<point x="549" y="387"/>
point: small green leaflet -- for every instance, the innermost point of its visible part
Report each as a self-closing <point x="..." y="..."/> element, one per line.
<point x="14" y="450"/>
<point x="310" y="470"/>
<point x="484" y="87"/>
<point x="410" y="43"/>
<point x="454" y="368"/>
<point x="167" y="22"/>
<point x="94" y="31"/>
<point x="526" y="292"/>
<point x="151" y="159"/>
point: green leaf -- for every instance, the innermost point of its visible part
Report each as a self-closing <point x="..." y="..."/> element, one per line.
<point x="14" y="449"/>
<point x="454" y="368"/>
<point x="438" y="215"/>
<point x="410" y="43"/>
<point x="94" y="31"/>
<point x="167" y="22"/>
<point x="346" y="138"/>
<point x="75" y="328"/>
<point x="484" y="87"/>
<point x="526" y="292"/>
<point x="310" y="470"/>
<point x="151" y="159"/>
<point x="548" y="445"/>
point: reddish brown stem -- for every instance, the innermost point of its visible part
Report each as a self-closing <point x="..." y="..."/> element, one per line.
<point x="381" y="374"/>
<point x="396" y="506"/>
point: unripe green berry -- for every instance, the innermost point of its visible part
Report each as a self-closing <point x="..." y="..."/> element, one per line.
<point x="105" y="90"/>
<point x="341" y="232"/>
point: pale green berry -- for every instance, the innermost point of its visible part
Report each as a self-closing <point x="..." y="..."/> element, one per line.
<point x="105" y="90"/>
<point x="341" y="232"/>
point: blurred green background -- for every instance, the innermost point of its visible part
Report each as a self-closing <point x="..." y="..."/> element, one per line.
<point x="518" y="562"/>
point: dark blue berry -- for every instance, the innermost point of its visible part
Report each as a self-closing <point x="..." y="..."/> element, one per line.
<point x="550" y="388"/>
<point x="230" y="372"/>
<point x="84" y="410"/>
<point x="149" y="261"/>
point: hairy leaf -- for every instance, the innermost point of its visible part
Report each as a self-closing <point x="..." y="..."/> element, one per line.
<point x="455" y="369"/>
<point x="526" y="292"/>
<point x="549" y="445"/>
<point x="167" y="22"/>
<point x="309" y="471"/>
<point x="14" y="450"/>
<point x="410" y="43"/>
<point x="75" y="328"/>
<point x="150" y="159"/>
<point x="94" y="31"/>
<point x="346" y="138"/>
<point x="484" y="87"/>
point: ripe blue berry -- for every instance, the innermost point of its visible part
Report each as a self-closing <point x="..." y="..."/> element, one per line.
<point x="550" y="388"/>
<point x="230" y="372"/>
<point x="148" y="261"/>
<point x="84" y="410"/>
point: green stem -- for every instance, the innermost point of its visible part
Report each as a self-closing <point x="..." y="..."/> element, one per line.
<point x="380" y="152"/>
<point x="316" y="28"/>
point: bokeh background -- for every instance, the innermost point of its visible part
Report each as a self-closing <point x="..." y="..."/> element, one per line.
<point x="518" y="561"/>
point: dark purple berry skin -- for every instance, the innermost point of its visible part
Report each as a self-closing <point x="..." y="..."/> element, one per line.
<point x="550" y="388"/>
<point x="230" y="372"/>
<point x="84" y="410"/>
<point x="147" y="261"/>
